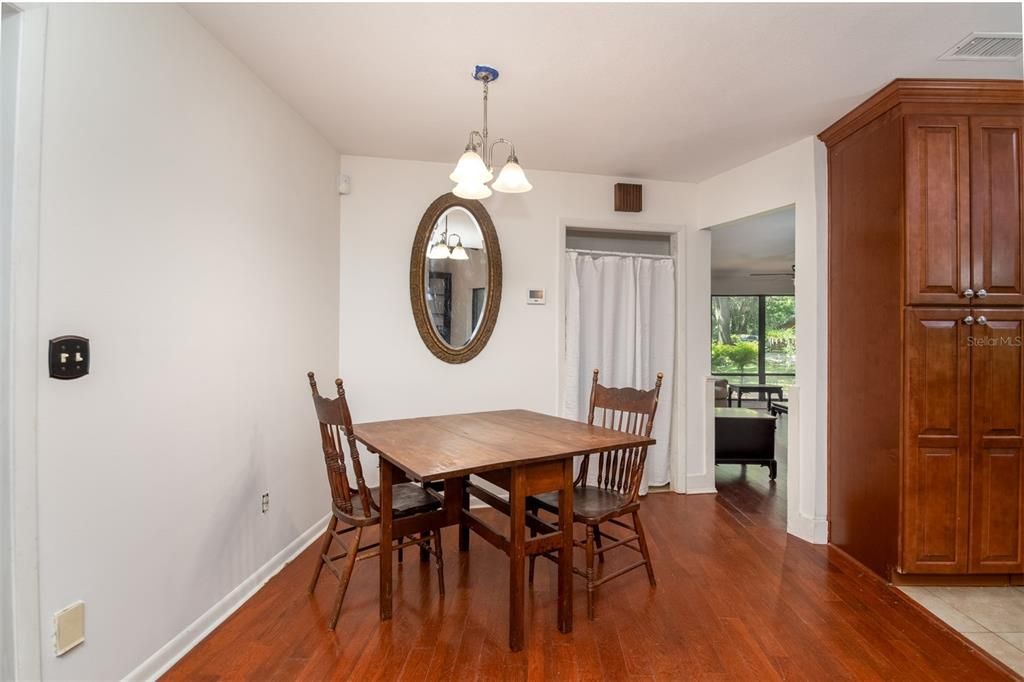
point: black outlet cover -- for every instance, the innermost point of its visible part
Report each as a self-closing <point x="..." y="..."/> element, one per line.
<point x="69" y="357"/>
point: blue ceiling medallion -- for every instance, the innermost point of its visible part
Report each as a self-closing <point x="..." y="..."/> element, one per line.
<point x="487" y="74"/>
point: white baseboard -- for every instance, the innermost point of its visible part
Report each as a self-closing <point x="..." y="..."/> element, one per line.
<point x="811" y="529"/>
<point x="169" y="654"/>
<point x="699" y="484"/>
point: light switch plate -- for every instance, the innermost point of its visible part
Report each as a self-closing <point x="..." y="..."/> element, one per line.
<point x="69" y="357"/>
<point x="69" y="627"/>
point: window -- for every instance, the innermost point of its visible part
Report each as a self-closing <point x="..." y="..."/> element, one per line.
<point x="753" y="339"/>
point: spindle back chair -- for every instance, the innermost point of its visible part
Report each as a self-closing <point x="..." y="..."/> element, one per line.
<point x="613" y="489"/>
<point x="357" y="508"/>
<point x="623" y="409"/>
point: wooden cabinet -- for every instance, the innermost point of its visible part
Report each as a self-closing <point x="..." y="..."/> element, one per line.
<point x="937" y="452"/>
<point x="926" y="324"/>
<point x="996" y="215"/>
<point x="997" y="428"/>
<point x="938" y="234"/>
<point x="964" y="213"/>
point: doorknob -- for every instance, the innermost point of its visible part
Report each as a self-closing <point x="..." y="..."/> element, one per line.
<point x="982" y="320"/>
<point x="968" y="320"/>
<point x="968" y="293"/>
<point x="982" y="293"/>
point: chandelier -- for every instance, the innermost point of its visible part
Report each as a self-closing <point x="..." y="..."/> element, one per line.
<point x="475" y="169"/>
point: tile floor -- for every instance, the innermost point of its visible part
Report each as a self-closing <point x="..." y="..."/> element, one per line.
<point x="991" y="617"/>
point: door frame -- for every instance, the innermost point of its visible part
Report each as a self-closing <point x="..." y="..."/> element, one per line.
<point x="677" y="238"/>
<point x="795" y="175"/>
<point x="20" y="332"/>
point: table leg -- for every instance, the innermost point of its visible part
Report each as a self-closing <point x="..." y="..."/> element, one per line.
<point x="516" y="558"/>
<point x="565" y="554"/>
<point x="739" y="397"/>
<point x="463" y="527"/>
<point x="769" y="394"/>
<point x="386" y="476"/>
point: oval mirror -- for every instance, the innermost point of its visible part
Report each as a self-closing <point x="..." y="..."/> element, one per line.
<point x="455" y="278"/>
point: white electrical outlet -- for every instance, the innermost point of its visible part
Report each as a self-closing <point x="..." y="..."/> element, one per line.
<point x="69" y="628"/>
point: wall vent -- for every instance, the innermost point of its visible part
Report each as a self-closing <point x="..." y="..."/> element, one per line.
<point x="993" y="47"/>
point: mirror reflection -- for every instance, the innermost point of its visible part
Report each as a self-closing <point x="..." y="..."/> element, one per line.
<point x="456" y="277"/>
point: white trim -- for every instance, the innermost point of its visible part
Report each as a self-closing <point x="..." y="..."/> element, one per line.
<point x="170" y="653"/>
<point x="703" y="481"/>
<point x="698" y="390"/>
<point x="814" y="530"/>
<point x="25" y="370"/>
<point x="594" y="252"/>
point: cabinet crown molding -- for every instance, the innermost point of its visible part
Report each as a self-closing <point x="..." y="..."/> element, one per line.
<point x="904" y="90"/>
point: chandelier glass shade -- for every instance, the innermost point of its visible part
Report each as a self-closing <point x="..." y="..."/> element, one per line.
<point x="512" y="179"/>
<point x="471" y="169"/>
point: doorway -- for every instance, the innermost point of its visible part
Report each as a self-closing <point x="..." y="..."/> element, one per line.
<point x="753" y="360"/>
<point x="619" y="309"/>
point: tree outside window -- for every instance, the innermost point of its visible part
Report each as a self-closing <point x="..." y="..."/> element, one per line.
<point x="753" y="339"/>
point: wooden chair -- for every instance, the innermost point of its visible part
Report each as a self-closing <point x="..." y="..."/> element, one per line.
<point x="617" y="492"/>
<point x="357" y="508"/>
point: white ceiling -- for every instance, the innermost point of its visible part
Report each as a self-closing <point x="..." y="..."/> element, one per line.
<point x="660" y="91"/>
<point x="761" y="243"/>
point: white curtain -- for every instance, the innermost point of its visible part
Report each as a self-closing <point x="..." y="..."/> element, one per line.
<point x="620" y="318"/>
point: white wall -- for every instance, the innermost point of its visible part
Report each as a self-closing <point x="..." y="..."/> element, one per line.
<point x="388" y="371"/>
<point x="188" y="228"/>
<point x="793" y="175"/>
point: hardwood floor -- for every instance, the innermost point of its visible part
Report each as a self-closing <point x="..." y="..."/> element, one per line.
<point x="737" y="599"/>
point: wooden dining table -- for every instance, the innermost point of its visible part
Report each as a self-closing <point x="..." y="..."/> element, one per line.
<point x="521" y="452"/>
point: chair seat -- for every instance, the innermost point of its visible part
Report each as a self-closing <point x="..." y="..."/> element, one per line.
<point x="588" y="503"/>
<point x="406" y="499"/>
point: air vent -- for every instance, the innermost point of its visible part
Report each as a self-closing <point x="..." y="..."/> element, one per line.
<point x="991" y="47"/>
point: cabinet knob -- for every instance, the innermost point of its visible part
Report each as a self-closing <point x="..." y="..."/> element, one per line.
<point x="968" y="320"/>
<point x="969" y="293"/>
<point x="982" y="320"/>
<point x="982" y="293"/>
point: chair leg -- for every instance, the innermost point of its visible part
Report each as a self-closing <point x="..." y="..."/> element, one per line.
<point x="439" y="557"/>
<point x="346" y="575"/>
<point x="597" y="541"/>
<point x="401" y="552"/>
<point x="590" y="572"/>
<point x="425" y="546"/>
<point x="533" y="558"/>
<point x="325" y="547"/>
<point x="643" y="547"/>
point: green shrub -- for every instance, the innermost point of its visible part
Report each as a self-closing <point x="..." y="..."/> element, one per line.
<point x="720" y="355"/>
<point x="742" y="354"/>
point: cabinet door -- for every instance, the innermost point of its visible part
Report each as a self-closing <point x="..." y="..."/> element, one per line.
<point x="938" y="248"/>
<point x="936" y="456"/>
<point x="997" y="425"/>
<point x="996" y="218"/>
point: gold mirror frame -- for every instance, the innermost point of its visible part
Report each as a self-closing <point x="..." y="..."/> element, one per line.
<point x="417" y="279"/>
